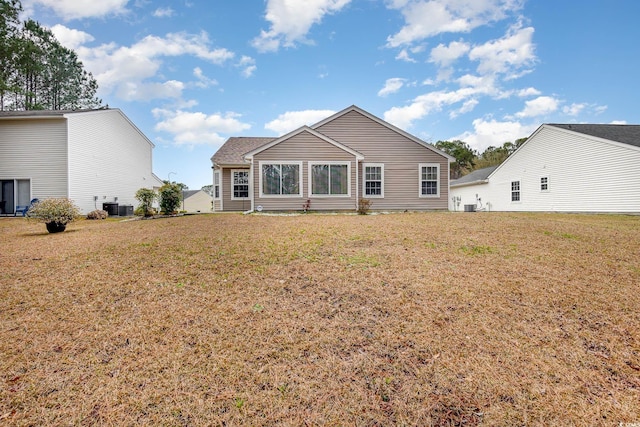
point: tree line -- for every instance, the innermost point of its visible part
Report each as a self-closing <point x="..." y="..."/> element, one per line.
<point x="36" y="71"/>
<point x="468" y="159"/>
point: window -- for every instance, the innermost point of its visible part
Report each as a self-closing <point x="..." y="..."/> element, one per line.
<point x="544" y="184"/>
<point x="239" y="184"/>
<point x="515" y="191"/>
<point x="373" y="180"/>
<point x="429" y="179"/>
<point x="216" y="184"/>
<point x="329" y="179"/>
<point x="280" y="179"/>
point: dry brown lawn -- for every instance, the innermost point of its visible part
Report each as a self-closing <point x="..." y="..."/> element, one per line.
<point x="403" y="319"/>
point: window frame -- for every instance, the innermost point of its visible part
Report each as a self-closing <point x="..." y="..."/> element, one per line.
<point x="329" y="163"/>
<point x="217" y="181"/>
<point x="420" y="180"/>
<point x="517" y="191"/>
<point x="364" y="180"/>
<point x="233" y="184"/>
<point x="544" y="184"/>
<point x="280" y="163"/>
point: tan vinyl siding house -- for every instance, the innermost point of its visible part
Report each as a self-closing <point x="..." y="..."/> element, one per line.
<point x="400" y="153"/>
<point x="330" y="166"/>
<point x="89" y="156"/>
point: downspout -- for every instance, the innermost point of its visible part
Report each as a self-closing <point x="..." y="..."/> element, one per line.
<point x="213" y="172"/>
<point x="449" y="186"/>
<point x="357" y="181"/>
<point x="252" y="199"/>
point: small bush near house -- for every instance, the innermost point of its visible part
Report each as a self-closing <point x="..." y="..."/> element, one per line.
<point x="98" y="214"/>
<point x="59" y="211"/>
<point x="170" y="197"/>
<point x="146" y="197"/>
<point x="363" y="206"/>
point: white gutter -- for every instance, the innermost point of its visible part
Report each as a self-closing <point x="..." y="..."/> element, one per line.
<point x="357" y="183"/>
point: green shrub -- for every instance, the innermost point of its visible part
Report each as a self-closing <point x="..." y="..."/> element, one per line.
<point x="60" y="211"/>
<point x="146" y="197"/>
<point x="170" y="197"/>
<point x="98" y="214"/>
<point x="363" y="206"/>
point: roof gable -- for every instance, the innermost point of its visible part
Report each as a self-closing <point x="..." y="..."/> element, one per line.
<point x="233" y="150"/>
<point x="626" y="134"/>
<point x="385" y="124"/>
<point x="621" y="134"/>
<point x="298" y="131"/>
<point x="478" y="176"/>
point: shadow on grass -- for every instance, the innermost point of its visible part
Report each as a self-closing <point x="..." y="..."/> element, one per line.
<point x="46" y="233"/>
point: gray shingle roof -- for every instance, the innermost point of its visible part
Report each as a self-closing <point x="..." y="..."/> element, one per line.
<point x="627" y="134"/>
<point x="41" y="113"/>
<point x="475" y="176"/>
<point x="234" y="149"/>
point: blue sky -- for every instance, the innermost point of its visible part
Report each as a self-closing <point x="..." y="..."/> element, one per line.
<point x="191" y="73"/>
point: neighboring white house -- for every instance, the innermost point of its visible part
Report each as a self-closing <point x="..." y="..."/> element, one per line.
<point x="90" y="156"/>
<point x="561" y="168"/>
<point x="197" y="201"/>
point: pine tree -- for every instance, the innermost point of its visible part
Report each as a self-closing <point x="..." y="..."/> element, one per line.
<point x="37" y="72"/>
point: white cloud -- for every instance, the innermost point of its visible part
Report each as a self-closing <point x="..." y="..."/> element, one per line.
<point x="125" y="70"/>
<point x="530" y="91"/>
<point x="506" y="55"/>
<point x="471" y="87"/>
<point x="291" y="20"/>
<point x="538" y="107"/>
<point x="292" y="120"/>
<point x="403" y="55"/>
<point x="488" y="133"/>
<point x="203" y="81"/>
<point x="444" y="56"/>
<point x="467" y="107"/>
<point x="144" y="91"/>
<point x="427" y="18"/>
<point x="428" y="103"/>
<point x="248" y="65"/>
<point x="69" y="37"/>
<point x="196" y="128"/>
<point x="77" y="9"/>
<point x="573" y="109"/>
<point x="618" y="122"/>
<point x="163" y="12"/>
<point x="392" y="86"/>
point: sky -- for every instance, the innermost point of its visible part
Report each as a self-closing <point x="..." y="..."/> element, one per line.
<point x="192" y="73"/>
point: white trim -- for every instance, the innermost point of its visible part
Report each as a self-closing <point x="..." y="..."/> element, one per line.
<point x="364" y="180"/>
<point x="511" y="191"/>
<point x="279" y="162"/>
<point x="219" y="175"/>
<point x="329" y="163"/>
<point x="248" y="172"/>
<point x="428" y="165"/>
<point x="388" y="125"/>
<point x="313" y="132"/>
<point x="548" y="190"/>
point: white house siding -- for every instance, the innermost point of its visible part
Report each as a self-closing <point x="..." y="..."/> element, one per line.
<point x="108" y="158"/>
<point x="305" y="147"/>
<point x="586" y="174"/>
<point x="400" y="156"/>
<point x="35" y="150"/>
<point x="467" y="195"/>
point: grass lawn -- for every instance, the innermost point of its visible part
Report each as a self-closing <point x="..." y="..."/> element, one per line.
<point x="403" y="319"/>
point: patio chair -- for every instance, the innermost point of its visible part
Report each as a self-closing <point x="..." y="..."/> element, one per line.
<point x="23" y="209"/>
